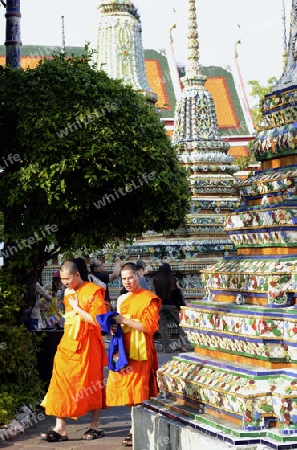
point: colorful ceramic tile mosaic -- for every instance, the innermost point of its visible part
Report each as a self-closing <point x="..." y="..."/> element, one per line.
<point x="251" y="395"/>
<point x="244" y="332"/>
<point x="222" y="431"/>
<point x="275" y="279"/>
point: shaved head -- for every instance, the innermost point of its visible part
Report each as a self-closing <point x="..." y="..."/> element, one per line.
<point x="69" y="266"/>
<point x="70" y="275"/>
<point x="130" y="266"/>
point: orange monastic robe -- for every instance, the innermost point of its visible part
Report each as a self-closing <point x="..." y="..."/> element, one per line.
<point x="77" y="385"/>
<point x="137" y="381"/>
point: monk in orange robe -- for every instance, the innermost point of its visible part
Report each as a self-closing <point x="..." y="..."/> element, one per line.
<point x="77" y="383"/>
<point x="138" y="315"/>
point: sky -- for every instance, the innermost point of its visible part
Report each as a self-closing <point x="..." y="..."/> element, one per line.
<point x="221" y="23"/>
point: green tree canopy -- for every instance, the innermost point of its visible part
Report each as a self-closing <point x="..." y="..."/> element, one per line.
<point x="258" y="91"/>
<point x="84" y="160"/>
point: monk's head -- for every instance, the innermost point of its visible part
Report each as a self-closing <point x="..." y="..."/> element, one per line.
<point x="130" y="277"/>
<point x="70" y="275"/>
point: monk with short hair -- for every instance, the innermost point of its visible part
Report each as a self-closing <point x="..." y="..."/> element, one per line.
<point x="77" y="383"/>
<point x="138" y="315"/>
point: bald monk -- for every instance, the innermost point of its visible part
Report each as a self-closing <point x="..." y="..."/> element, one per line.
<point x="77" y="385"/>
<point x="138" y="315"/>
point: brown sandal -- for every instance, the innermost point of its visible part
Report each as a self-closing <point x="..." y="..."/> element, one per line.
<point x="127" y="442"/>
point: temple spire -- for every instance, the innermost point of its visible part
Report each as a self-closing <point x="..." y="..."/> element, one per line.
<point x="289" y="76"/>
<point x="192" y="67"/>
<point x="285" y="41"/>
<point x="195" y="116"/>
<point x="63" y="45"/>
<point x="203" y="152"/>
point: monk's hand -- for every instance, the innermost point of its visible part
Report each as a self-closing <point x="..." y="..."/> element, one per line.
<point x="73" y="303"/>
<point x="118" y="319"/>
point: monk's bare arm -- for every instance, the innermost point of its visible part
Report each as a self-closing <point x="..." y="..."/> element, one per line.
<point x="86" y="316"/>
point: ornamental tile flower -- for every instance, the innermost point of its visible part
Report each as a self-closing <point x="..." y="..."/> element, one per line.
<point x="262" y="326"/>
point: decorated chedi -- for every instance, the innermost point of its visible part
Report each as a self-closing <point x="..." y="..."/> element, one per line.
<point x="119" y="49"/>
<point x="203" y="152"/>
<point x="240" y="383"/>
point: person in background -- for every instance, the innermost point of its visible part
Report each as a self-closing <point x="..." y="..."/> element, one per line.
<point x="172" y="299"/>
<point x="97" y="269"/>
<point x="138" y="316"/>
<point x="141" y="268"/>
<point x="96" y="280"/>
<point x="37" y="312"/>
<point x="56" y="309"/>
<point x="80" y="357"/>
<point x="82" y="268"/>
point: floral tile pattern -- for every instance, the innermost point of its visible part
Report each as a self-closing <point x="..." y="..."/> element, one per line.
<point x="206" y="424"/>
<point x="252" y="397"/>
<point x="249" y="397"/>
<point x="276" y="278"/>
<point x="254" y="334"/>
<point x="270" y="181"/>
<point x="262" y="218"/>
<point x="279" y="111"/>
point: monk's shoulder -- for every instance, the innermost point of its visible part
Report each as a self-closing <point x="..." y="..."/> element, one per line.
<point x="91" y="288"/>
<point x="148" y="295"/>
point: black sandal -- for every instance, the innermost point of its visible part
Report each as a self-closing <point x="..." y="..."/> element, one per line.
<point x="53" y="436"/>
<point x="92" y="434"/>
<point x="127" y="442"/>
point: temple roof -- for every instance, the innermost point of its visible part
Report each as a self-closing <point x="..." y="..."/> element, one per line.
<point x="220" y="84"/>
<point x="160" y="81"/>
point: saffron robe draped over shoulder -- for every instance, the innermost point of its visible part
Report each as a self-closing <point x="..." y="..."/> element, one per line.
<point x="137" y="381"/>
<point x="77" y="383"/>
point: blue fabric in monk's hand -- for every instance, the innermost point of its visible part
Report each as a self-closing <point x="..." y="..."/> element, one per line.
<point x="106" y="320"/>
<point x="117" y="358"/>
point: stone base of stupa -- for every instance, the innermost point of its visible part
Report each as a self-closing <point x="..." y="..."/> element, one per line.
<point x="164" y="424"/>
<point x="218" y="403"/>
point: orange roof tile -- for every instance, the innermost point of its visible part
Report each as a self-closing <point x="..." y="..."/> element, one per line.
<point x="237" y="152"/>
<point x="156" y="82"/>
<point x="26" y="61"/>
<point x="29" y="61"/>
<point x="169" y="133"/>
<point x="226" y="115"/>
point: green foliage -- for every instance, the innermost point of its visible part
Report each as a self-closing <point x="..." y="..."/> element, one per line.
<point x="11" y="301"/>
<point x="81" y="138"/>
<point x="259" y="93"/>
<point x="18" y="372"/>
<point x="7" y="408"/>
<point x="19" y="377"/>
<point x="244" y="161"/>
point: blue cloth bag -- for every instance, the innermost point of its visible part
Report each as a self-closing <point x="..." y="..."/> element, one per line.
<point x="117" y="358"/>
